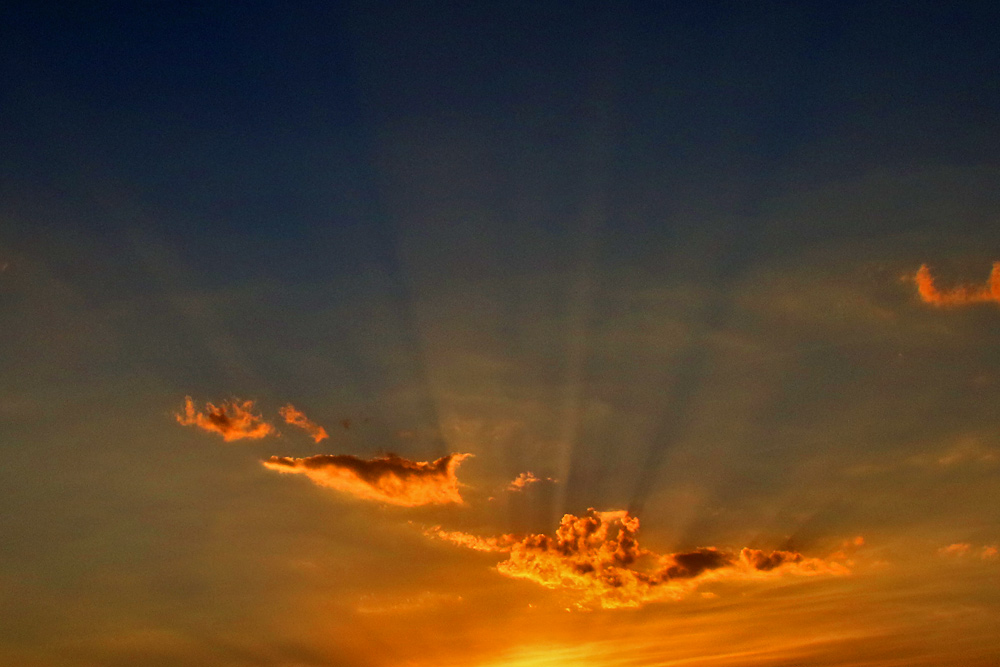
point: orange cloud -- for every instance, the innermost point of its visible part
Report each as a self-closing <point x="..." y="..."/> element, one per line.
<point x="232" y="420"/>
<point x="987" y="552"/>
<point x="957" y="549"/>
<point x="957" y="296"/>
<point x="524" y="480"/>
<point x="389" y="479"/>
<point x="598" y="557"/>
<point x="298" y="418"/>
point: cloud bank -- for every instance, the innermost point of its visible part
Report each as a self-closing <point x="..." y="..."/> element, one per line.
<point x="233" y="420"/>
<point x="598" y="557"/>
<point x="957" y="296"/>
<point x="388" y="479"/>
<point x="298" y="418"/>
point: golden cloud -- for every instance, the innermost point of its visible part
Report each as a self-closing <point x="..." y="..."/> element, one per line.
<point x="298" y="418"/>
<point x="233" y="420"/>
<point x="524" y="480"/>
<point x="389" y="479"/>
<point x="598" y="557"/>
<point x="957" y="296"/>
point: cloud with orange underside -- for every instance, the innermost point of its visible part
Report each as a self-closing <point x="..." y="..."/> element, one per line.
<point x="957" y="296"/>
<point x="298" y="418"/>
<point x="388" y="479"/>
<point x="233" y="420"/>
<point x="597" y="557"/>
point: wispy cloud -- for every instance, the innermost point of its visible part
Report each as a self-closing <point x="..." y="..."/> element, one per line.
<point x="598" y="557"/>
<point x="298" y="418"/>
<point x="957" y="296"/>
<point x="388" y="479"/>
<point x="233" y="420"/>
<point x="524" y="480"/>
<point x="962" y="549"/>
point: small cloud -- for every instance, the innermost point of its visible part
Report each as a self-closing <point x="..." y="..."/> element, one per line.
<point x="233" y="420"/>
<point x="957" y="549"/>
<point x="598" y="558"/>
<point x="847" y="549"/>
<point x="524" y="480"/>
<point x="389" y="479"/>
<point x="967" y="451"/>
<point x="961" y="549"/>
<point x="957" y="296"/>
<point x="298" y="418"/>
<point x="414" y="603"/>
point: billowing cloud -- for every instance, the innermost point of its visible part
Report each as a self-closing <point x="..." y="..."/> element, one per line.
<point x="598" y="557"/>
<point x="524" y="480"/>
<point x="957" y="296"/>
<point x="233" y="420"/>
<point x="389" y="479"/>
<point x="298" y="418"/>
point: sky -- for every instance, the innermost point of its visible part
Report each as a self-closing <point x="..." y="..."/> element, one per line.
<point x="374" y="334"/>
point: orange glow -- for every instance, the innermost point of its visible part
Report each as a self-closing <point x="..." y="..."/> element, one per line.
<point x="298" y="418"/>
<point x="599" y="558"/>
<point x="388" y="479"/>
<point x="958" y="296"/>
<point x="232" y="420"/>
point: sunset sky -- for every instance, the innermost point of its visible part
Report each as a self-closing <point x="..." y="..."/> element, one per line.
<point x="430" y="334"/>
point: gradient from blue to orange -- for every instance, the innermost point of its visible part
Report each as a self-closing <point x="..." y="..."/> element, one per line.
<point x="665" y="260"/>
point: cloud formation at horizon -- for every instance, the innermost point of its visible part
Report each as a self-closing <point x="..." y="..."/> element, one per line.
<point x="389" y="479"/>
<point x="957" y="296"/>
<point x="298" y="418"/>
<point x="233" y="420"/>
<point x="598" y="557"/>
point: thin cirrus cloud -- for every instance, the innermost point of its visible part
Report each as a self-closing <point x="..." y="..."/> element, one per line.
<point x="388" y="479"/>
<point x="957" y="296"/>
<point x="233" y="420"/>
<point x="598" y="558"/>
<point x="296" y="417"/>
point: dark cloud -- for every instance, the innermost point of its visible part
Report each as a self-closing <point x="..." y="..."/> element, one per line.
<point x="389" y="479"/>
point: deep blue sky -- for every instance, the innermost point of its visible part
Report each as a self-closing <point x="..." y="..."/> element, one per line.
<point x="264" y="120"/>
